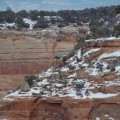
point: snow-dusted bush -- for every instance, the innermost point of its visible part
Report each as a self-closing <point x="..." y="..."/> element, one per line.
<point x="71" y="66"/>
<point x="79" y="85"/>
<point x="30" y="79"/>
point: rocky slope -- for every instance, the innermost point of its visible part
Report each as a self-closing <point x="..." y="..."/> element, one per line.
<point x="30" y="52"/>
<point x="20" y="51"/>
<point x="86" y="86"/>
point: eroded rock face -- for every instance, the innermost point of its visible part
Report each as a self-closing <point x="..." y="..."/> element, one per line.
<point x="79" y="109"/>
<point x="17" y="110"/>
<point x="62" y="109"/>
<point x="109" y="109"/>
<point x="104" y="110"/>
<point x="47" y="109"/>
<point x="23" y="54"/>
<point x="94" y="101"/>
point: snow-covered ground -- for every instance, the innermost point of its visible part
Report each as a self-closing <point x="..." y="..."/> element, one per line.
<point x="6" y="25"/>
<point x="26" y="20"/>
<point x="91" y="51"/>
<point x="103" y="39"/>
<point x="71" y="85"/>
<point x="110" y="55"/>
<point x="61" y="90"/>
<point x="30" y="22"/>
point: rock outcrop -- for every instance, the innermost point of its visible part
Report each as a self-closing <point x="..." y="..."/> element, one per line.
<point x="61" y="109"/>
<point x="25" y="87"/>
<point x="86" y="88"/>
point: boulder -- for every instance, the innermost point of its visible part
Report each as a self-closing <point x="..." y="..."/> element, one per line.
<point x="54" y="76"/>
<point x="81" y="74"/>
<point x="112" y="88"/>
<point x="25" y="87"/>
<point x="64" y="74"/>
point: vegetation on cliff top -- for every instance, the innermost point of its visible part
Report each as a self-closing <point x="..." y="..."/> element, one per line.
<point x="102" y="21"/>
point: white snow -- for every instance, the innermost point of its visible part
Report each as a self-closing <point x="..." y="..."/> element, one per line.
<point x="72" y="75"/>
<point x="101" y="95"/>
<point x="3" y="119"/>
<point x="108" y="55"/>
<point x="93" y="71"/>
<point x="59" y="85"/>
<point x="97" y="118"/>
<point x="85" y="65"/>
<point x="8" y="99"/>
<point x="103" y="39"/>
<point x="108" y="117"/>
<point x="117" y="68"/>
<point x="30" y="22"/>
<point x="117" y="16"/>
<point x="72" y="93"/>
<point x="91" y="51"/>
<point x="78" y="53"/>
<point x="14" y="93"/>
<point x="58" y="90"/>
<point x="37" y="91"/>
<point x="41" y="76"/>
<point x="5" y="25"/>
<point x="47" y="73"/>
<point x="64" y="69"/>
<point x="43" y="82"/>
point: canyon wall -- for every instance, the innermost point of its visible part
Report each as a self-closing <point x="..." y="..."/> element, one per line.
<point x="61" y="109"/>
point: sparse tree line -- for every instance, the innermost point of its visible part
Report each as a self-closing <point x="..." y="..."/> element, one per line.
<point x="102" y="20"/>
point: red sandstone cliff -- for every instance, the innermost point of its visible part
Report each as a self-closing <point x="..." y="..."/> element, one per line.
<point x="61" y="109"/>
<point x="87" y="87"/>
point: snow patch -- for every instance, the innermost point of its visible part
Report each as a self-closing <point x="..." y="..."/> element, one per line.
<point x="97" y="118"/>
<point x="30" y="22"/>
<point x="108" y="55"/>
<point x="91" y="51"/>
<point x="103" y="39"/>
<point x="5" y="25"/>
